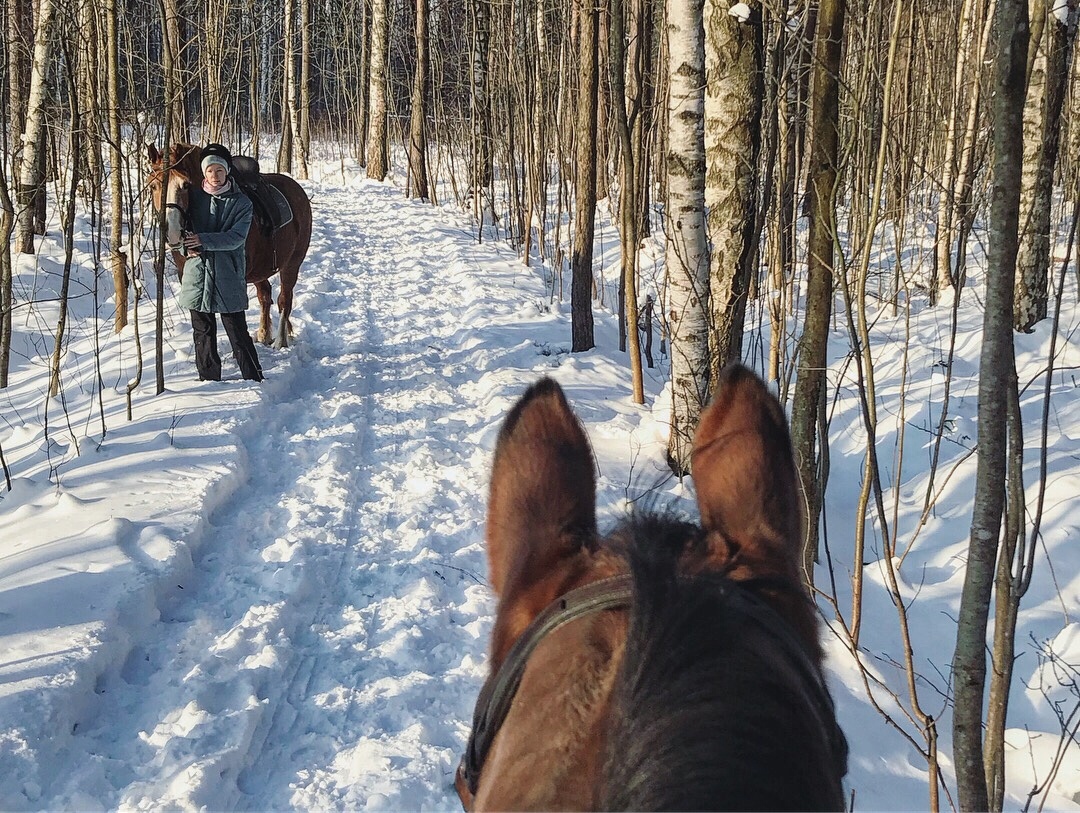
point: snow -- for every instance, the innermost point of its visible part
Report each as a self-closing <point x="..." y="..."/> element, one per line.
<point x="1060" y="11"/>
<point x="273" y="596"/>
<point x="740" y="11"/>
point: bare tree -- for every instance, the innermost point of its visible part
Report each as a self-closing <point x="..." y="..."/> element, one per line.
<point x="418" y="173"/>
<point x="996" y="371"/>
<point x="806" y="412"/>
<point x="585" y="178"/>
<point x="629" y="206"/>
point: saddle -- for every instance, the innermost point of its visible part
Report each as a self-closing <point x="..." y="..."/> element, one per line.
<point x="271" y="208"/>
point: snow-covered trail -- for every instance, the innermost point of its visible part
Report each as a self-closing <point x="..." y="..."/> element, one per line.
<point x="291" y="668"/>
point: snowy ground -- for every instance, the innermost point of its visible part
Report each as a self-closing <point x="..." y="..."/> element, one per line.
<point x="274" y="596"/>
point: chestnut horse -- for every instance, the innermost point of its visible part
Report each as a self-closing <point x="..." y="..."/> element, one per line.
<point x="268" y="252"/>
<point x="668" y="666"/>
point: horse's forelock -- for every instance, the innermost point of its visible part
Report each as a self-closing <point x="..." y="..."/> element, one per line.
<point x="715" y="689"/>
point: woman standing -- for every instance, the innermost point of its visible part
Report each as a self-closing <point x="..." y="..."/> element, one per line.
<point x="214" y="274"/>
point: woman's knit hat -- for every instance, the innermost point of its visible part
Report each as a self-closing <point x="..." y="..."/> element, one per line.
<point x="216" y="154"/>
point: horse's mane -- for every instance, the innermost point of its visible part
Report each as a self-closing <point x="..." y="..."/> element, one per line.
<point x="185" y="159"/>
<point x="717" y="704"/>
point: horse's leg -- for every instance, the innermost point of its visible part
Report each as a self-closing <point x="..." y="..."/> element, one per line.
<point x="262" y="289"/>
<point x="284" y="303"/>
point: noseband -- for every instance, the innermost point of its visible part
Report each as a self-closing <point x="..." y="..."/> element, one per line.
<point x="499" y="689"/>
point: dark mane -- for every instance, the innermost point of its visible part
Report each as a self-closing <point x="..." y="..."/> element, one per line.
<point x="717" y="705"/>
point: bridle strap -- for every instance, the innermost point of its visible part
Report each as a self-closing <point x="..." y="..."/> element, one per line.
<point x="499" y="689"/>
<point x="185" y="218"/>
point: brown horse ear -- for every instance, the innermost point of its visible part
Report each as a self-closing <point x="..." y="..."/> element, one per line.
<point x="542" y="507"/>
<point x="745" y="477"/>
<point x="152" y="153"/>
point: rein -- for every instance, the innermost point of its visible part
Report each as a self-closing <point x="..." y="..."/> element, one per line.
<point x="499" y="689"/>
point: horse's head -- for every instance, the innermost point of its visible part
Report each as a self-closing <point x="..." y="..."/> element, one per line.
<point x="169" y="183"/>
<point x="558" y="720"/>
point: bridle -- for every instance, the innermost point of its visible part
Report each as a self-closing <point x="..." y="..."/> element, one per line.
<point x="499" y="689"/>
<point x="185" y="216"/>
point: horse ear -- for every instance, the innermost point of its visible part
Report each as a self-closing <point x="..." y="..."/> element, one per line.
<point x="542" y="506"/>
<point x="152" y="153"/>
<point x="745" y="477"/>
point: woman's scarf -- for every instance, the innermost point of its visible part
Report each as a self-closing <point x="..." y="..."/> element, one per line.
<point x="217" y="190"/>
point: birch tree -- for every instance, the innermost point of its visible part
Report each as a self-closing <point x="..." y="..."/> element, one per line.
<point x="378" y="147"/>
<point x="32" y="175"/>
<point x="733" y="89"/>
<point x="7" y="302"/>
<point x="481" y="171"/>
<point x="686" y="254"/>
<point x="1050" y="54"/>
<point x="117" y="257"/>
<point x="19" y="46"/>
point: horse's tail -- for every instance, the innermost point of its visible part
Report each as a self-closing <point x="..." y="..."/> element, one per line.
<point x="717" y="705"/>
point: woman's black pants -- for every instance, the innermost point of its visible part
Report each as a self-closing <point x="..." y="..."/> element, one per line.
<point x="207" y="360"/>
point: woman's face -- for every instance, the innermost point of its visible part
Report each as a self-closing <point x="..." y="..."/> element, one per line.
<point x="215" y="174"/>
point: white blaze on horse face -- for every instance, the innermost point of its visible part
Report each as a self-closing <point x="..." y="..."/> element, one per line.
<point x="173" y="226"/>
<point x="177" y="195"/>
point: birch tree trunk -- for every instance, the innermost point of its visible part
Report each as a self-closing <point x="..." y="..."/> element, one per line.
<point x="292" y="148"/>
<point x="304" y="131"/>
<point x="686" y="255"/>
<point x="378" y="148"/>
<point x="117" y="257"/>
<point x="733" y="91"/>
<point x="480" y="104"/>
<point x="7" y="225"/>
<point x="32" y="175"/>
<point x="19" y="19"/>
<point x="418" y="172"/>
<point x="88" y="70"/>
<point x="996" y="366"/>
<point x="19" y="46"/>
<point x="822" y="175"/>
<point x="581" y="315"/>
<point x="967" y="29"/>
<point x="1047" y="84"/>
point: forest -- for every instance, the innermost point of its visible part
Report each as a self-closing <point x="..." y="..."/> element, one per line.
<point x="807" y="165"/>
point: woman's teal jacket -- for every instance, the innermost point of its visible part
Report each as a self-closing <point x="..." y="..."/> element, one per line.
<point x="214" y="281"/>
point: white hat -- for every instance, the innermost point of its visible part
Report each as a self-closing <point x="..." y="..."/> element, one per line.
<point x="214" y="159"/>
